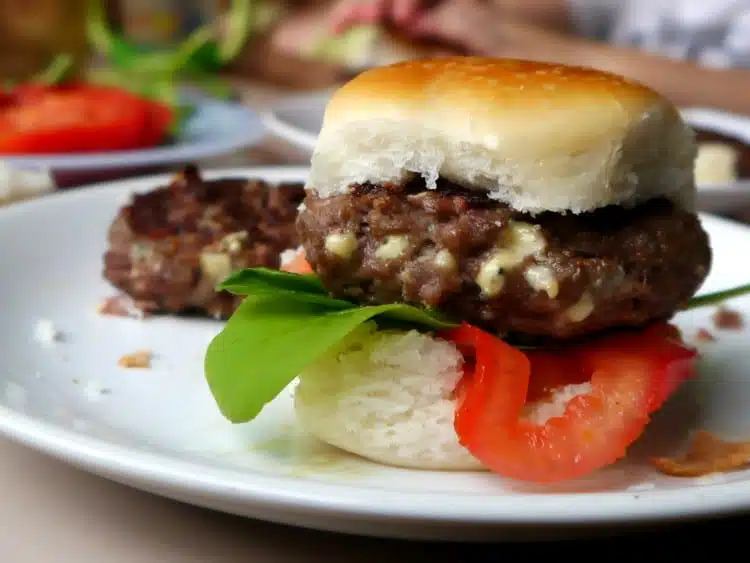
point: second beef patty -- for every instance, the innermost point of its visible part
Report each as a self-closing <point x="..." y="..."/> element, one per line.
<point x="168" y="248"/>
<point x="549" y="275"/>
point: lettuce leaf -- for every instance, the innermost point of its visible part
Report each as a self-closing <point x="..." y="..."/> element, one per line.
<point x="286" y="323"/>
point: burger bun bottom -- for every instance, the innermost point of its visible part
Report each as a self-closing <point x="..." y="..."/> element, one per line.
<point x="387" y="397"/>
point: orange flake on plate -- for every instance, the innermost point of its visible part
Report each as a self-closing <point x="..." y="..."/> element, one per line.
<point x="707" y="454"/>
<point x="140" y="359"/>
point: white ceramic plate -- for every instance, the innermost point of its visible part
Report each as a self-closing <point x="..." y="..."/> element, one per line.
<point x="215" y="128"/>
<point x="298" y="120"/>
<point x="159" y="430"/>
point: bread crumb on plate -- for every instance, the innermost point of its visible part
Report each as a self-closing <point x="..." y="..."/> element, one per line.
<point x="706" y="455"/>
<point x="139" y="359"/>
<point x="728" y="319"/>
<point x="120" y="306"/>
<point x="93" y="391"/>
<point x="45" y="333"/>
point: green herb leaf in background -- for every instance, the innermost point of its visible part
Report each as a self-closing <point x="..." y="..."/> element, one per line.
<point x="58" y="70"/>
<point x="195" y="61"/>
<point x="205" y="50"/>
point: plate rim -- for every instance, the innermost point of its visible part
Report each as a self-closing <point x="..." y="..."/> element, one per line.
<point x="347" y="498"/>
<point x="287" y="131"/>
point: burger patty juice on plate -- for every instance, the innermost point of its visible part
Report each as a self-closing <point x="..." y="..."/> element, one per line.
<point x="497" y="248"/>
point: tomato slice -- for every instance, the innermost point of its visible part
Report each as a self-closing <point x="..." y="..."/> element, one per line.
<point x="628" y="376"/>
<point x="160" y="120"/>
<point x="80" y="119"/>
<point x="298" y="264"/>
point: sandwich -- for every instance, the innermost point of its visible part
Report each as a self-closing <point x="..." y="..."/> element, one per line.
<point x="492" y="252"/>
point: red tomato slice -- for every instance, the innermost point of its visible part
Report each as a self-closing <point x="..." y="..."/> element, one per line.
<point x="160" y="122"/>
<point x="630" y="375"/>
<point x="298" y="264"/>
<point x="79" y="119"/>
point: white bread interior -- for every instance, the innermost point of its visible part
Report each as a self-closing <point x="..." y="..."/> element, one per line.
<point x="537" y="136"/>
<point x="387" y="396"/>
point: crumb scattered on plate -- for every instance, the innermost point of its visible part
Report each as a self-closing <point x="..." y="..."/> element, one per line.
<point x="703" y="335"/>
<point x="120" y="306"/>
<point x="707" y="454"/>
<point x="139" y="359"/>
<point x="45" y="333"/>
<point x="728" y="319"/>
<point x="94" y="391"/>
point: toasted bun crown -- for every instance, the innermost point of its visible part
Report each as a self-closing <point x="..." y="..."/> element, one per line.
<point x="534" y="135"/>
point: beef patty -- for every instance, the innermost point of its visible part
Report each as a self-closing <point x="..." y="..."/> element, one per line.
<point x="550" y="275"/>
<point x="170" y="247"/>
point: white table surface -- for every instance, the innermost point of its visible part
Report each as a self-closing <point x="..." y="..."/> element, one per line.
<point x="53" y="513"/>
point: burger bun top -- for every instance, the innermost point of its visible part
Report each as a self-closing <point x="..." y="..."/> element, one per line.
<point x="536" y="136"/>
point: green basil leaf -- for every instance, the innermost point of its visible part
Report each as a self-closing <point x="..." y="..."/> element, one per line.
<point x="717" y="297"/>
<point x="265" y="282"/>
<point x="413" y="317"/>
<point x="244" y="282"/>
<point x="268" y="341"/>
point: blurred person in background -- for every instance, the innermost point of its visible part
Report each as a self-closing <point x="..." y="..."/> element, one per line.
<point x="283" y="53"/>
<point x="299" y="48"/>
<point x="696" y="52"/>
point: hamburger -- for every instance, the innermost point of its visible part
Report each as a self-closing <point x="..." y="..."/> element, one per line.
<point x="491" y="253"/>
<point x="523" y="197"/>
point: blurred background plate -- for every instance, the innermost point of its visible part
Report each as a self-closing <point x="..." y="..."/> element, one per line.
<point x="298" y="119"/>
<point x="730" y="134"/>
<point x="215" y="128"/>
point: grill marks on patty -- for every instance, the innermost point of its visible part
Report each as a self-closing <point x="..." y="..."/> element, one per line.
<point x="549" y="275"/>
